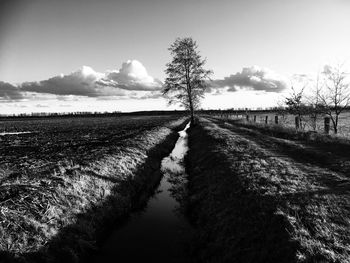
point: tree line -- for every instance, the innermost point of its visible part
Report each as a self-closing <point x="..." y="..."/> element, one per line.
<point x="92" y="114"/>
<point x="330" y="96"/>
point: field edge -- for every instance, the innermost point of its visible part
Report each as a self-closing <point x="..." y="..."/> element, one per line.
<point x="78" y="242"/>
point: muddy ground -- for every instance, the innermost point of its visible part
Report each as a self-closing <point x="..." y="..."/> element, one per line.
<point x="64" y="187"/>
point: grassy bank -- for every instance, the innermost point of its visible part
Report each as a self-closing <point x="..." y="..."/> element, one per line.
<point x="290" y="133"/>
<point x="249" y="206"/>
<point x="63" y="216"/>
<point x="330" y="152"/>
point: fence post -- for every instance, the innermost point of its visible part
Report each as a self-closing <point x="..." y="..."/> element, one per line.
<point x="266" y="119"/>
<point x="327" y="122"/>
<point x="247" y="117"/>
<point x="297" y="122"/>
<point x="276" y="119"/>
<point x="254" y="118"/>
<point x="314" y="123"/>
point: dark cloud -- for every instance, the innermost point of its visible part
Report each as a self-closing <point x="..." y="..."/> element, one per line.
<point x="9" y="92"/>
<point x="151" y="95"/>
<point x="254" y="78"/>
<point x="130" y="86"/>
<point x="79" y="83"/>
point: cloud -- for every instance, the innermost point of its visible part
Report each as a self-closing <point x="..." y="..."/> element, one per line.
<point x="42" y="105"/>
<point x="252" y="78"/>
<point x="150" y="95"/>
<point x="132" y="76"/>
<point x="79" y="83"/>
<point x="87" y="82"/>
<point x="9" y="92"/>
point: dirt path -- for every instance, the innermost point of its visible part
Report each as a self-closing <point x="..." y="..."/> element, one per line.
<point x="323" y="169"/>
<point x="314" y="199"/>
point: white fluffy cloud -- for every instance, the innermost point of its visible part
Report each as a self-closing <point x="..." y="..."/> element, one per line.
<point x="252" y="78"/>
<point x="132" y="81"/>
<point x="132" y="76"/>
<point x="87" y="82"/>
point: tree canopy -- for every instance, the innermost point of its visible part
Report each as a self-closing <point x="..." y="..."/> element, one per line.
<point x="186" y="79"/>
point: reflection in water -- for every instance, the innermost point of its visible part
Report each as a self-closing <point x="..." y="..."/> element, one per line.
<point x="13" y="133"/>
<point x="173" y="169"/>
<point x="160" y="233"/>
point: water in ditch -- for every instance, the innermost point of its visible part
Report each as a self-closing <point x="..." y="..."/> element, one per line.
<point x="14" y="133"/>
<point x="160" y="233"/>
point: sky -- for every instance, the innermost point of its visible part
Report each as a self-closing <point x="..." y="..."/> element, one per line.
<point x="105" y="55"/>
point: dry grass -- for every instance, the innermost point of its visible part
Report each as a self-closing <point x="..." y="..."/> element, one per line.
<point x="289" y="132"/>
<point x="36" y="209"/>
<point x="288" y="121"/>
<point x="251" y="205"/>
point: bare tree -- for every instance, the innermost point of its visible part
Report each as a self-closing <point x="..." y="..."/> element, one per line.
<point x="315" y="102"/>
<point x="297" y="107"/>
<point x="186" y="78"/>
<point x="335" y="97"/>
<point x="312" y="99"/>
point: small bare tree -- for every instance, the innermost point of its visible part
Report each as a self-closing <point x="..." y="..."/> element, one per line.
<point x="315" y="103"/>
<point x="335" y="97"/>
<point x="313" y="98"/>
<point x="297" y="107"/>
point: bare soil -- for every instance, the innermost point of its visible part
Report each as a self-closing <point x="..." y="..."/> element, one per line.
<point x="65" y="184"/>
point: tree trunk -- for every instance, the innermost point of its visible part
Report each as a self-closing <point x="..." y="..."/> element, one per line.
<point x="335" y="124"/>
<point x="326" y="125"/>
<point x="314" y="122"/>
<point x="192" y="114"/>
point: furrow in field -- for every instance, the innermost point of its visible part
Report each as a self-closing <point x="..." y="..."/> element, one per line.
<point x="56" y="207"/>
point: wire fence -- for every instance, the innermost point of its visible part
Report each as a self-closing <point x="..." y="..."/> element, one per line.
<point x="322" y="124"/>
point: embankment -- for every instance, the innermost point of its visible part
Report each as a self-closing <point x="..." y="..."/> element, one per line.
<point x="234" y="220"/>
<point x="81" y="203"/>
<point x="253" y="200"/>
<point x="290" y="133"/>
<point x="328" y="151"/>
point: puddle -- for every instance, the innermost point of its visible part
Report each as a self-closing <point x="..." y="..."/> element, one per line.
<point x="160" y="233"/>
<point x="13" y="133"/>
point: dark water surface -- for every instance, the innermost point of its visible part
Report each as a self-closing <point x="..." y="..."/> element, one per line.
<point x="160" y="233"/>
